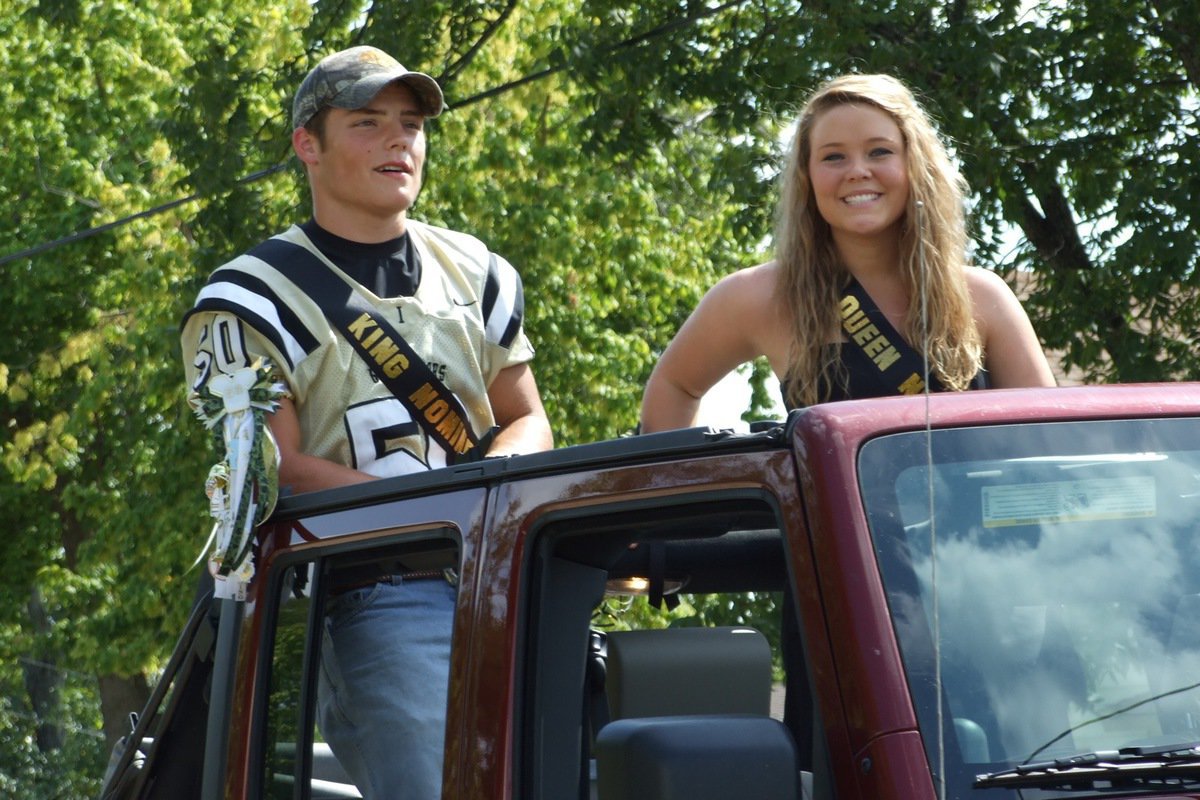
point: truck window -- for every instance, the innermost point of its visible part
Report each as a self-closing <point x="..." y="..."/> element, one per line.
<point x="599" y="649"/>
<point x="166" y="748"/>
<point x="286" y="738"/>
<point x="295" y="761"/>
<point x="1053" y="588"/>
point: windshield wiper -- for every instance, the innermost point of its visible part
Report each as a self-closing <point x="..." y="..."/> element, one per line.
<point x="1174" y="763"/>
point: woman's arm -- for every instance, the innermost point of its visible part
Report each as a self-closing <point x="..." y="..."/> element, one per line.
<point x="733" y="323"/>
<point x="1013" y="355"/>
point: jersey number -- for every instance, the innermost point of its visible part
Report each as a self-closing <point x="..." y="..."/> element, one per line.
<point x="222" y="344"/>
<point x="380" y="434"/>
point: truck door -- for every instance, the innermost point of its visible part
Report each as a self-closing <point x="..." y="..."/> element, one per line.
<point x="316" y="551"/>
<point x="555" y="662"/>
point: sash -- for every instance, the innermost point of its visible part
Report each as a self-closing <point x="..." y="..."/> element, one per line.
<point x="393" y="361"/>
<point x="898" y="366"/>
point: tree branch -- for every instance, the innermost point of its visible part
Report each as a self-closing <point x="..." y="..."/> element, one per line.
<point x="1052" y="231"/>
<point x="958" y="10"/>
<point x="453" y="70"/>
<point x="1181" y="32"/>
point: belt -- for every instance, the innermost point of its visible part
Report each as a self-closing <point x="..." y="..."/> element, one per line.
<point x="342" y="582"/>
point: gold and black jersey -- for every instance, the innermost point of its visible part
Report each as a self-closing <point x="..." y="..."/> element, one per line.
<point x="465" y="319"/>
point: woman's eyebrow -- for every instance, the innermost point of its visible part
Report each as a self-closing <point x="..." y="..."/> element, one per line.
<point x="872" y="140"/>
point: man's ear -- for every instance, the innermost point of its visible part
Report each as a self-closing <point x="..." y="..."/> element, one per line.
<point x="307" y="148"/>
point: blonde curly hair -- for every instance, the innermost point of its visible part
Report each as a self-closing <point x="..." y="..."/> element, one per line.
<point x="812" y="279"/>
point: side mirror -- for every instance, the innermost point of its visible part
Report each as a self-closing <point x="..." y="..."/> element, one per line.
<point x="701" y="757"/>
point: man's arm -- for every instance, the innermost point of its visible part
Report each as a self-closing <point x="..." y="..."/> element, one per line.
<point x="298" y="471"/>
<point x="516" y="405"/>
<point x="518" y="410"/>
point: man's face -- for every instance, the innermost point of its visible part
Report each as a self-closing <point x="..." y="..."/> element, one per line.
<point x="367" y="165"/>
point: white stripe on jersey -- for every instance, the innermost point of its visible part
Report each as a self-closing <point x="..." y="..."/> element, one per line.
<point x="506" y="300"/>
<point x="264" y="308"/>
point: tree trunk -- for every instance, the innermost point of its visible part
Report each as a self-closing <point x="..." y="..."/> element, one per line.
<point x="120" y="697"/>
<point x="43" y="680"/>
<point x="1181" y="30"/>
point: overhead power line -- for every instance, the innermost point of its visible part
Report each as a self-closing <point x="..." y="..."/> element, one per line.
<point x="661" y="30"/>
<point x="117" y="223"/>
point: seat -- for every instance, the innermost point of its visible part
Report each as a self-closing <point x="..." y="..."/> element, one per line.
<point x="690" y="710"/>
<point x="683" y="671"/>
<point x="698" y="757"/>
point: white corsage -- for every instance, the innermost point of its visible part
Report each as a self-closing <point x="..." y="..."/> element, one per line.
<point x="242" y="488"/>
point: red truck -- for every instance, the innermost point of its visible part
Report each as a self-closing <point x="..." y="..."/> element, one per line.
<point x="983" y="595"/>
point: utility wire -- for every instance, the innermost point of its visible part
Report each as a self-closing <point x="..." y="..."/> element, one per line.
<point x="117" y="223"/>
<point x="65" y="723"/>
<point x="661" y="30"/>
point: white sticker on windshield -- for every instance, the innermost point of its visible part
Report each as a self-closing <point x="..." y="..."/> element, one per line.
<point x="1068" y="501"/>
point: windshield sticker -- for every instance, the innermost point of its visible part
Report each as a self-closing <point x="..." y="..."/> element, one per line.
<point x="1068" y="501"/>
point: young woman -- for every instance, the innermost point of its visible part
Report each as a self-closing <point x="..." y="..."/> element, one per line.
<point x="869" y="277"/>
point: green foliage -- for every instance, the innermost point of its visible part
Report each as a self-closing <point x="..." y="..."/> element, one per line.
<point x="27" y="769"/>
<point x="637" y="168"/>
<point x="101" y="465"/>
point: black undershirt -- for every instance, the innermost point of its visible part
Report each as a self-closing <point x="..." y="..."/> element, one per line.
<point x="389" y="269"/>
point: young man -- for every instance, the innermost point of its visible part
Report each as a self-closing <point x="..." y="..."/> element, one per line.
<point x="451" y="305"/>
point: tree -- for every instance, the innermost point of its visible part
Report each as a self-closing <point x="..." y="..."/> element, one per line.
<point x="103" y="468"/>
<point x="1076" y="124"/>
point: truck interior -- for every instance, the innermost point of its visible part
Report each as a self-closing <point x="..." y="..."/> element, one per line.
<point x="676" y="711"/>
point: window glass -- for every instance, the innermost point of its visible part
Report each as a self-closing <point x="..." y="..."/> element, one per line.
<point x="286" y="736"/>
<point x="1054" y="589"/>
<point x="167" y="748"/>
<point x="310" y="598"/>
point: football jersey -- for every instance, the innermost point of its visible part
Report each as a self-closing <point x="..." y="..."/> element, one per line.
<point x="464" y="319"/>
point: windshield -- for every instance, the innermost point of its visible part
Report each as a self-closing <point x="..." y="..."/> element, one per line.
<point x="1056" y="588"/>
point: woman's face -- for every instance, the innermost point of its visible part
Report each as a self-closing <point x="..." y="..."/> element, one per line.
<point x="858" y="168"/>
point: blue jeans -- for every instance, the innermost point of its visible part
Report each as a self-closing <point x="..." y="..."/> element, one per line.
<point x="385" y="664"/>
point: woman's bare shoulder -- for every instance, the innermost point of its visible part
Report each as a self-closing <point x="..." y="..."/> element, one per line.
<point x="746" y="304"/>
<point x="986" y="284"/>
<point x="1012" y="350"/>
<point x="749" y="286"/>
<point x="993" y="299"/>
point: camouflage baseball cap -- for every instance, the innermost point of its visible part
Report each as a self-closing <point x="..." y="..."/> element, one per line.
<point x="350" y="78"/>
